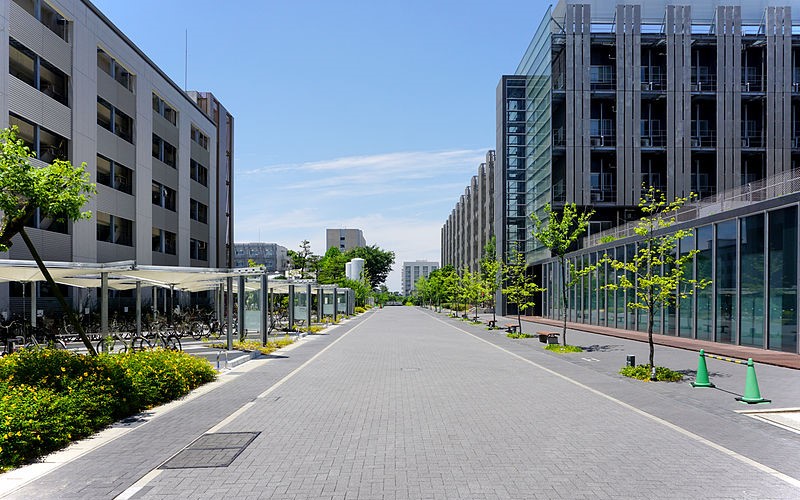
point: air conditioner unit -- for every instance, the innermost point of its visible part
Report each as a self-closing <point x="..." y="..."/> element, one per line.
<point x="745" y="142"/>
<point x="695" y="142"/>
<point x="596" y="141"/>
<point x="647" y="142"/>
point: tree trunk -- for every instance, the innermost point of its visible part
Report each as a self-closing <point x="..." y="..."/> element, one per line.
<point x="564" y="298"/>
<point x="519" y="320"/>
<point x="67" y="309"/>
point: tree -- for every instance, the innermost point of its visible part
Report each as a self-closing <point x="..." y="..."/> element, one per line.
<point x="658" y="273"/>
<point x="559" y="233"/>
<point x="519" y="287"/>
<point x="59" y="191"/>
<point x="331" y="267"/>
<point x="474" y="290"/>
<point x="492" y="274"/>
<point x="377" y="262"/>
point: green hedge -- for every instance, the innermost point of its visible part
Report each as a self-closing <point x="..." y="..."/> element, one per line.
<point x="49" y="398"/>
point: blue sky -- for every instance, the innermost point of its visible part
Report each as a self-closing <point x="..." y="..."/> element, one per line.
<point x="364" y="114"/>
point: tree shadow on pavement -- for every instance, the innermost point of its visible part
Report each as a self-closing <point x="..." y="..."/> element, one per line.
<point x="602" y="348"/>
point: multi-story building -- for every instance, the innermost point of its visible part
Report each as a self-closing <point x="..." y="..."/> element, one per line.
<point x="344" y="239"/>
<point x="701" y="98"/>
<point x="471" y="225"/>
<point x="270" y="255"/>
<point x="414" y="270"/>
<point x="78" y="89"/>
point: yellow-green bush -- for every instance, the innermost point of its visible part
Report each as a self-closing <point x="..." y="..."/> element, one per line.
<point x="49" y="398"/>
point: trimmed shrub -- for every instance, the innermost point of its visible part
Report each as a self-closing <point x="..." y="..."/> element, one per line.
<point x="642" y="372"/>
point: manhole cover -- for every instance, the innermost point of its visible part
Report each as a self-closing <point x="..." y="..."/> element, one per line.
<point x="211" y="450"/>
<point x="409" y="369"/>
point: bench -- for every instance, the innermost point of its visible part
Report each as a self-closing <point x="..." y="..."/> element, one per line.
<point x="511" y="327"/>
<point x="548" y="337"/>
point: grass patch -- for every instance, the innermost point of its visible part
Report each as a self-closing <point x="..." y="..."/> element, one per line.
<point x="642" y="372"/>
<point x="520" y="335"/>
<point x="254" y="345"/>
<point x="49" y="398"/>
<point x="562" y="348"/>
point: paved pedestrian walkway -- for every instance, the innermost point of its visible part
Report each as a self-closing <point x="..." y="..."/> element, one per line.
<point x="406" y="403"/>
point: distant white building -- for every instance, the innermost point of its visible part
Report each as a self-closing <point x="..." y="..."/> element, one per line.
<point x="270" y="255"/>
<point x="413" y="270"/>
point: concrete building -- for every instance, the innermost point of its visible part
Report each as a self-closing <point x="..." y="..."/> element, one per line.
<point x="414" y="270"/>
<point x="79" y="89"/>
<point x="344" y="239"/>
<point x="270" y="255"/>
<point x="471" y="223"/>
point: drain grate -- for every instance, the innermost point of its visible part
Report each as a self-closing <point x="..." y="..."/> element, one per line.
<point x="211" y="450"/>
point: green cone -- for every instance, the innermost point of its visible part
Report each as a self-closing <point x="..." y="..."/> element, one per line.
<point x="702" y="372"/>
<point x="751" y="393"/>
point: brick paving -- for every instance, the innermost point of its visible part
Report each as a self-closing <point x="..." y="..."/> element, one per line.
<point x="405" y="403"/>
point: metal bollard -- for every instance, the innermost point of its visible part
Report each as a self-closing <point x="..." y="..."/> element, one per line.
<point x="631" y="360"/>
<point x="226" y="358"/>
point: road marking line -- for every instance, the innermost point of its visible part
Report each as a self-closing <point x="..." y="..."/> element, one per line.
<point x="141" y="483"/>
<point x="764" y="468"/>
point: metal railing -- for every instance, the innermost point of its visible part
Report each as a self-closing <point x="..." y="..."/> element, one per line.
<point x="765" y="189"/>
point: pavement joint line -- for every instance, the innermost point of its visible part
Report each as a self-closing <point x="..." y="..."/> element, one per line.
<point x="774" y="473"/>
<point x="144" y="480"/>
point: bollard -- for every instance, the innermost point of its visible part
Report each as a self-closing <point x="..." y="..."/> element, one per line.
<point x="631" y="360"/>
<point x="701" y="380"/>
<point x="752" y="395"/>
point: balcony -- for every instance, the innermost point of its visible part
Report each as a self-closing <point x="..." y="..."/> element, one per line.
<point x="703" y="79"/>
<point x="603" y="141"/>
<point x="752" y="80"/>
<point x="653" y="79"/>
<point x="753" y="141"/>
<point x="707" y="140"/>
<point x="654" y="141"/>
<point x="602" y="78"/>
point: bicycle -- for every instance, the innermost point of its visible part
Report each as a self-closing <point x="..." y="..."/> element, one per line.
<point x="162" y="335"/>
<point x="10" y="337"/>
<point x="37" y="337"/>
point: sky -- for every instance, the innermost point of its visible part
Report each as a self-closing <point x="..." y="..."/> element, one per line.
<point x="366" y="114"/>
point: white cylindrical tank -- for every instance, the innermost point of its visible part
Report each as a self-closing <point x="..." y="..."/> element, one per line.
<point x="348" y="270"/>
<point x="356" y="267"/>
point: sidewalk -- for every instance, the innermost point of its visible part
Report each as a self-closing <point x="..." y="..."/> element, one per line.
<point x="777" y="358"/>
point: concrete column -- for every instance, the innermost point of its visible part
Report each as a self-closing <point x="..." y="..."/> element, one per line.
<point x="104" y="304"/>
<point x="335" y="305"/>
<point x="229" y="319"/>
<point x="308" y="309"/>
<point x="33" y="303"/>
<point x="138" y="308"/>
<point x="291" y="307"/>
<point x="241" y="297"/>
<point x="320" y="300"/>
<point x="264" y="308"/>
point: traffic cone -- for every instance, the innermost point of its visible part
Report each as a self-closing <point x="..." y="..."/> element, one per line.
<point x="702" y="372"/>
<point x="751" y="393"/>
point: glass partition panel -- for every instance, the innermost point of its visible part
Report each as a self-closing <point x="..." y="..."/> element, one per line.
<point x="630" y="293"/>
<point x="751" y="255"/>
<point x="686" y="305"/>
<point x="783" y="280"/>
<point x="725" y="281"/>
<point x="704" y="261"/>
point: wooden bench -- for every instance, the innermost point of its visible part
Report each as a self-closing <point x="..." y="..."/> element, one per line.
<point x="511" y="327"/>
<point x="548" y="337"/>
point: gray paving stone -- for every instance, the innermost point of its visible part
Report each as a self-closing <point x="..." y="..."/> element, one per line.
<point x="408" y="405"/>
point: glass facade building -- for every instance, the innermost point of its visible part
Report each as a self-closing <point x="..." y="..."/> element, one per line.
<point x="750" y="255"/>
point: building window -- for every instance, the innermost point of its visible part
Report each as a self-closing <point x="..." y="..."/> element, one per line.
<point x="164" y="241"/>
<point x="47" y="145"/>
<point x="114" y="120"/>
<point x="198" y="211"/>
<point x="164" y="151"/>
<point x="161" y="107"/>
<point x="47" y="15"/>
<point x="199" y="137"/>
<point x="198" y="249"/>
<point x="164" y="196"/>
<point x="199" y="172"/>
<point x="114" y="175"/>
<point x="25" y="65"/>
<point x="113" y="229"/>
<point x="111" y="67"/>
<point x="37" y="221"/>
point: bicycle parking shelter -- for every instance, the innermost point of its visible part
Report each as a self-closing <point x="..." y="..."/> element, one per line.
<point x="128" y="275"/>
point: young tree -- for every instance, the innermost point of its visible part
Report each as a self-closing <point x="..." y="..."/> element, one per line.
<point x="58" y="190"/>
<point x="658" y="272"/>
<point x="559" y="232"/>
<point x="519" y="287"/>
<point x="492" y="274"/>
<point x="474" y="290"/>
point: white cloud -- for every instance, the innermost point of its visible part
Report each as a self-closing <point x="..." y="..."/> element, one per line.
<point x="400" y="201"/>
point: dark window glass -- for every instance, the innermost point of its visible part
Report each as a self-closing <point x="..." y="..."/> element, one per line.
<point x="54" y="21"/>
<point x="21" y="62"/>
<point x="52" y="146"/>
<point x="123" y="125"/>
<point x="104" y="114"/>
<point x="104" y="174"/>
<point x="783" y="280"/>
<point x="725" y="281"/>
<point x="156" y="239"/>
<point x="752" y="281"/>
<point x="170" y="242"/>
<point x="105" y="62"/>
<point x="53" y="82"/>
<point x="198" y="172"/>
<point x="103" y="227"/>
